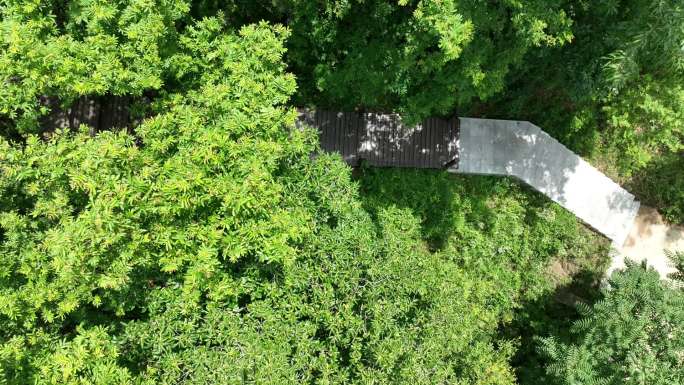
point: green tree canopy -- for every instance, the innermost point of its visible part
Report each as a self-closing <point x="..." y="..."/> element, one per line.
<point x="634" y="335"/>
<point x="419" y="58"/>
<point x="207" y="245"/>
<point x="213" y="242"/>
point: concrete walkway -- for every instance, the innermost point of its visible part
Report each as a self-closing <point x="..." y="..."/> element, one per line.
<point x="522" y="150"/>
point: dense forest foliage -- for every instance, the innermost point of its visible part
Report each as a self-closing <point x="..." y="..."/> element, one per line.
<point x="211" y="242"/>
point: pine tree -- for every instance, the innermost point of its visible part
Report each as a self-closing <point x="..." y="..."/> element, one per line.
<point x="633" y="335"/>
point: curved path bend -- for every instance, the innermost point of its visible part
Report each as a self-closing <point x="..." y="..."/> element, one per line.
<point x="522" y="150"/>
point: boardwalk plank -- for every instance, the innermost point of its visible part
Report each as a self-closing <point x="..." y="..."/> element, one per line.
<point x="388" y="142"/>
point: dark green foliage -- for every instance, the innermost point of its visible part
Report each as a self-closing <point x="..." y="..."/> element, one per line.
<point x="553" y="313"/>
<point x="502" y="231"/>
<point x="661" y="185"/>
<point x="420" y="58"/>
<point x="500" y="210"/>
<point x="492" y="225"/>
<point x="633" y="335"/>
<point x="433" y="197"/>
<point x="677" y="259"/>
<point x="416" y="57"/>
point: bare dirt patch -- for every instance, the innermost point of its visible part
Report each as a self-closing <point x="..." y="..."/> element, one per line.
<point x="650" y="237"/>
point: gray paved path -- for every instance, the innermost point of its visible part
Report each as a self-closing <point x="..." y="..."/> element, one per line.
<point x="522" y="150"/>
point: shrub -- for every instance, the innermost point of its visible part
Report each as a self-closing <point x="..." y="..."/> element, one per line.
<point x="634" y="335"/>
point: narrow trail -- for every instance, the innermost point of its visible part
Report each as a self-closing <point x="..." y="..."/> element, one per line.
<point x="648" y="240"/>
<point x="511" y="148"/>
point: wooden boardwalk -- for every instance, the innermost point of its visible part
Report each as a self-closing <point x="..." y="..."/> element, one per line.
<point x="98" y="112"/>
<point x="382" y="140"/>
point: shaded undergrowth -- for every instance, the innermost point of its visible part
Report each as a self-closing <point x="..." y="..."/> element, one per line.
<point x="543" y="258"/>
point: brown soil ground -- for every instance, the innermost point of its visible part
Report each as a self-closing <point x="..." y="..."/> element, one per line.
<point x="650" y="237"/>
